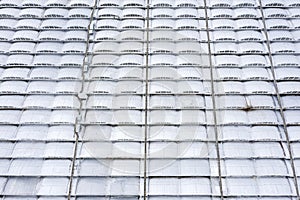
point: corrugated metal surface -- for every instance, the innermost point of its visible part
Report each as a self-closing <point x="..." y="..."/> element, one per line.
<point x="149" y="99"/>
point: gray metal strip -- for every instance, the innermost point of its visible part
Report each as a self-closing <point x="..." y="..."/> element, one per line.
<point x="145" y="185"/>
<point x="213" y="101"/>
<point x="77" y="126"/>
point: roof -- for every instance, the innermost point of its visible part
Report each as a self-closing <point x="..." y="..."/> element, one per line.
<point x="191" y="100"/>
